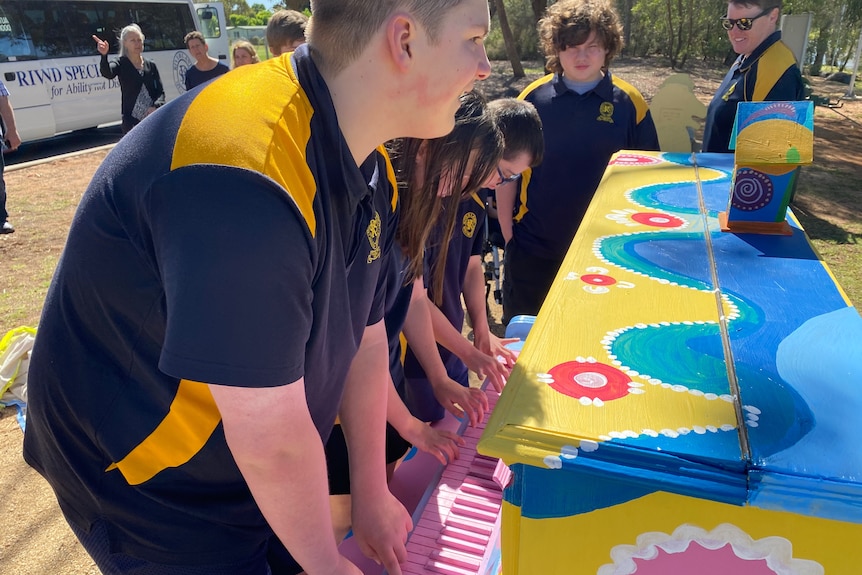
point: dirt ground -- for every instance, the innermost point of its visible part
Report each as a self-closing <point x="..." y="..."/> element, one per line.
<point x="42" y="199"/>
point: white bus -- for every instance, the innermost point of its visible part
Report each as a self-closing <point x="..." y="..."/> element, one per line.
<point x="49" y="62"/>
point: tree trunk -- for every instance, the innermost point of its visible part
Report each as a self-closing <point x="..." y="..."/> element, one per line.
<point x="819" y="51"/>
<point x="509" y="40"/>
<point x="627" y="23"/>
<point x="538" y="8"/>
<point x="670" y="52"/>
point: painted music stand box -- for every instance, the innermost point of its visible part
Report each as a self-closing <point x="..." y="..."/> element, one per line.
<point x="687" y="401"/>
<point x="772" y="140"/>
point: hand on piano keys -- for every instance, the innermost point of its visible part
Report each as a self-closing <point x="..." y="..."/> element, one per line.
<point x="440" y="443"/>
<point x="456" y="530"/>
<point x="461" y="401"/>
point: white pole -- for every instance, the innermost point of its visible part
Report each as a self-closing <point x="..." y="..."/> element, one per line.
<point x="850" y="95"/>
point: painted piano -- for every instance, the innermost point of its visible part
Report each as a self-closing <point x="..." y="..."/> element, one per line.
<point x="688" y="400"/>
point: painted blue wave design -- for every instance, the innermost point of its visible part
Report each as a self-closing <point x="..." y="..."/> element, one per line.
<point x="820" y="359"/>
<point x="622" y="251"/>
<point x="684" y="360"/>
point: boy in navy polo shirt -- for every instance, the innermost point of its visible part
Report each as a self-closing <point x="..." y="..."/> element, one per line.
<point x="219" y="301"/>
<point x="587" y="115"/>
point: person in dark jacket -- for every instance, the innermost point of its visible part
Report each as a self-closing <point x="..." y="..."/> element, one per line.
<point x="140" y="85"/>
<point x="765" y="71"/>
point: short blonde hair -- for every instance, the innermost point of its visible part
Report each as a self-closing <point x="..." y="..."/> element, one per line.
<point x="569" y="23"/>
<point x="339" y="30"/>
<point x="248" y="47"/>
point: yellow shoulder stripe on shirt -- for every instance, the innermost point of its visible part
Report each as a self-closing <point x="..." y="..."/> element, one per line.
<point x="390" y="175"/>
<point x="477" y="199"/>
<point x="234" y="122"/>
<point x="183" y="432"/>
<point x="637" y="99"/>
<point x="534" y="85"/>
<point x="770" y="67"/>
<point x="526" y="176"/>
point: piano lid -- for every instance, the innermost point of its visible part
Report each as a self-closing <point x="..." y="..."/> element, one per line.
<point x="720" y="365"/>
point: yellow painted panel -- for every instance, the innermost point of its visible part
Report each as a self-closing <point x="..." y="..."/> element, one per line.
<point x="584" y="543"/>
<point x="595" y="301"/>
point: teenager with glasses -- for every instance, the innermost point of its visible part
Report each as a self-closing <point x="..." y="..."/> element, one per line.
<point x="454" y="258"/>
<point x="765" y="70"/>
<point x="587" y="115"/>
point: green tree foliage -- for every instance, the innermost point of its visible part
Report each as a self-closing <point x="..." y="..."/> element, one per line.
<point x="239" y="13"/>
<point x="522" y="21"/>
<point x="681" y="30"/>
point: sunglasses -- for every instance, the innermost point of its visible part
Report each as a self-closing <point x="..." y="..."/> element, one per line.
<point x="742" y="23"/>
<point x="504" y="179"/>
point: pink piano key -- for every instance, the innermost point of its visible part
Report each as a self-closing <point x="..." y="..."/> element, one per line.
<point x="502" y="475"/>
<point x="456" y="544"/>
<point x="481" y="527"/>
<point x="474" y="501"/>
<point x="461" y="560"/>
<point x="447" y="569"/>
<point x="465" y="534"/>
<point x="492" y="507"/>
<point x="472" y="488"/>
<point x="489" y="484"/>
<point x="467" y="511"/>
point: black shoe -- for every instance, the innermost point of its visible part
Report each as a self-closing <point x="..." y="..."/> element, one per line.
<point x="7" y="228"/>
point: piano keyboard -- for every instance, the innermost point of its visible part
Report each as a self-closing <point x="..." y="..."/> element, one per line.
<point x="457" y="523"/>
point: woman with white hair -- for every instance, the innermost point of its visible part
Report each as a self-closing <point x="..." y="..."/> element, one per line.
<point x="141" y="87"/>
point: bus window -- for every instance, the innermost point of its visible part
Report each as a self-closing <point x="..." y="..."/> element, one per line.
<point x="82" y="21"/>
<point x="208" y="17"/>
<point x="15" y="44"/>
<point x="164" y="25"/>
<point x="47" y="28"/>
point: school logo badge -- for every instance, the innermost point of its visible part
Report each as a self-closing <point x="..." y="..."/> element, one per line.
<point x="182" y="63"/>
<point x="373" y="233"/>
<point x="606" y="113"/>
<point x="469" y="224"/>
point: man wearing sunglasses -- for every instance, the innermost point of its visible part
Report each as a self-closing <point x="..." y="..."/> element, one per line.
<point x="765" y="70"/>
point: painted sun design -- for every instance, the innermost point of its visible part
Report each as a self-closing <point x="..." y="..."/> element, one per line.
<point x="591" y="382"/>
<point x="752" y="190"/>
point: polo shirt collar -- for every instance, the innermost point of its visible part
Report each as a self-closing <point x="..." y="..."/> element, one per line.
<point x="358" y="181"/>
<point x="755" y="55"/>
<point x="604" y="89"/>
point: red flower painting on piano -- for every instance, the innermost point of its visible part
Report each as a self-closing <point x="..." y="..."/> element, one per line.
<point x="658" y="220"/>
<point x="590" y="382"/>
<point x="598" y="280"/>
<point x="629" y="159"/>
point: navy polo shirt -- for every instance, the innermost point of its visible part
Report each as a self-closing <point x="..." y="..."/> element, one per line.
<point x="770" y="74"/>
<point x="467" y="240"/>
<point x="398" y="296"/>
<point x="240" y="249"/>
<point x="582" y="132"/>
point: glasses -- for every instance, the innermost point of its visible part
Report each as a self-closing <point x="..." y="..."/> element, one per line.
<point x="504" y="179"/>
<point x="742" y="23"/>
